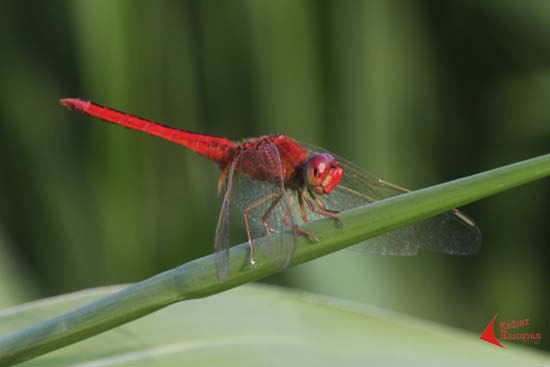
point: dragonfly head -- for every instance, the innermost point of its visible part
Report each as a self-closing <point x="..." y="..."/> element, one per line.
<point x="322" y="173"/>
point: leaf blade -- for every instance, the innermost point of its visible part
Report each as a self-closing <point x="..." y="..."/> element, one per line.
<point x="259" y="326"/>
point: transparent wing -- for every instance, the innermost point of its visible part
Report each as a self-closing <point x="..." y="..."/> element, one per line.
<point x="264" y="202"/>
<point x="221" y="239"/>
<point x="451" y="232"/>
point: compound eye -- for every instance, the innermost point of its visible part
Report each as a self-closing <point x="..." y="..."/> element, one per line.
<point x="318" y="166"/>
<point x="323" y="173"/>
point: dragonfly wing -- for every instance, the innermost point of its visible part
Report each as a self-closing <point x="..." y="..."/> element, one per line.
<point x="221" y="239"/>
<point x="451" y="232"/>
<point x="262" y="198"/>
<point x="399" y="242"/>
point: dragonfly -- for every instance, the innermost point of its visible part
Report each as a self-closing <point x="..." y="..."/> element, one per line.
<point x="279" y="184"/>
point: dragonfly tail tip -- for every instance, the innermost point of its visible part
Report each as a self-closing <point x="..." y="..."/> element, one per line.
<point x="67" y="102"/>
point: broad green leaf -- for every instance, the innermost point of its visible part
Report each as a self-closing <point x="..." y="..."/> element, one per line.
<point x="260" y="326"/>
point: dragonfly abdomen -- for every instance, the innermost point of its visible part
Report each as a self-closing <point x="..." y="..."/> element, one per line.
<point x="214" y="148"/>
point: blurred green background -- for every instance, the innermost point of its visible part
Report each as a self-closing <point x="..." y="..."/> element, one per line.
<point x="418" y="92"/>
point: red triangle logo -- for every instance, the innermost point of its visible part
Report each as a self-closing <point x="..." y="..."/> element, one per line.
<point x="488" y="334"/>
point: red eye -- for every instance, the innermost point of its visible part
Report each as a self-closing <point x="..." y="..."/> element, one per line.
<point x="323" y="173"/>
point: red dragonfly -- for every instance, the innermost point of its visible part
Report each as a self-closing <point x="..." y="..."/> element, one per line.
<point x="279" y="184"/>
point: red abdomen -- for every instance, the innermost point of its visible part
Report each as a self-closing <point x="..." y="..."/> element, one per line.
<point x="219" y="150"/>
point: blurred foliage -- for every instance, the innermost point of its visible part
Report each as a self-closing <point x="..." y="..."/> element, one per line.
<point x="418" y="92"/>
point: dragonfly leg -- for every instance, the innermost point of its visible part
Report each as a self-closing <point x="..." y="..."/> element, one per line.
<point x="246" y="211"/>
<point x="320" y="203"/>
<point x="293" y="226"/>
<point x="322" y="209"/>
<point x="266" y="215"/>
<point x="250" y="244"/>
<point x="303" y="213"/>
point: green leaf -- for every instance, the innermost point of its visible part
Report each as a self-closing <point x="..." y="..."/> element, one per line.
<point x="259" y="326"/>
<point x="198" y="278"/>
